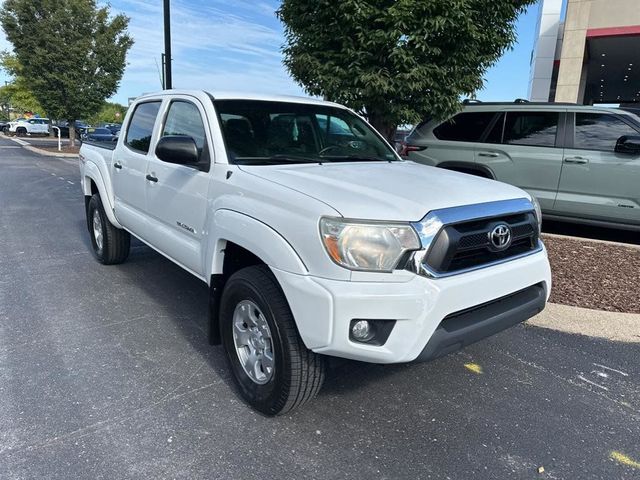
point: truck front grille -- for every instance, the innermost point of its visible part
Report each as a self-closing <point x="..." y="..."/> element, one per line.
<point x="468" y="245"/>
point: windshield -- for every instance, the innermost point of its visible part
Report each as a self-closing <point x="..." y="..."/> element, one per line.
<point x="265" y="132"/>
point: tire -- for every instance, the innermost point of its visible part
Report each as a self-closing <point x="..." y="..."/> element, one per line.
<point x="297" y="374"/>
<point x="110" y="244"/>
<point x="21" y="132"/>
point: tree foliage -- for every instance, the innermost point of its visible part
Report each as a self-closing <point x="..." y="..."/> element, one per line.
<point x="108" y="114"/>
<point x="72" y="52"/>
<point x="398" y="61"/>
<point x="16" y="94"/>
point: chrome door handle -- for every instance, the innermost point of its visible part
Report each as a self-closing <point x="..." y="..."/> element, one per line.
<point x="576" y="160"/>
<point x="151" y="178"/>
<point x="117" y="165"/>
<point x="488" y="154"/>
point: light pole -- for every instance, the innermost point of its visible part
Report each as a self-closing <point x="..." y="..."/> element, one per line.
<point x="167" y="45"/>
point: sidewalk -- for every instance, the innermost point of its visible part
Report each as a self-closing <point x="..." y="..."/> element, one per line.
<point x="618" y="327"/>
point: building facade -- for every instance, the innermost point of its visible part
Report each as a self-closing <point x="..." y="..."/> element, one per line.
<point x="593" y="56"/>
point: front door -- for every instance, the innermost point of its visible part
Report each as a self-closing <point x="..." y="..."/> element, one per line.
<point x="130" y="166"/>
<point x="524" y="148"/>
<point x="177" y="195"/>
<point x="597" y="182"/>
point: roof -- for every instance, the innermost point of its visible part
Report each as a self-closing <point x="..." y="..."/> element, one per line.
<point x="230" y="95"/>
<point x="540" y="106"/>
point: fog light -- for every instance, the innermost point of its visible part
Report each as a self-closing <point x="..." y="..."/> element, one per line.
<point x="362" y="331"/>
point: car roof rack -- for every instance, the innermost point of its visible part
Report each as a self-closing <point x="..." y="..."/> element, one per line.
<point x="526" y="102"/>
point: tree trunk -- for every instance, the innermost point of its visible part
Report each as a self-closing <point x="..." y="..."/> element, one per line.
<point x="72" y="133"/>
<point x="386" y="128"/>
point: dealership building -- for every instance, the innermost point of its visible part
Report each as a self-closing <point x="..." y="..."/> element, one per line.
<point x="592" y="55"/>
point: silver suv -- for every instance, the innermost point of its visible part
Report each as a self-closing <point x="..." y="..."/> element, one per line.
<point x="582" y="163"/>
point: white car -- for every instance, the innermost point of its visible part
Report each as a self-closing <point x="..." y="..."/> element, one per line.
<point x="29" y="126"/>
<point x="314" y="237"/>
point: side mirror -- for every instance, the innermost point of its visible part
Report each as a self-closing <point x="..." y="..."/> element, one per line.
<point x="628" y="144"/>
<point x="179" y="149"/>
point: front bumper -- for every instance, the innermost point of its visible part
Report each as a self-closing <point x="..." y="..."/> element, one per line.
<point x="324" y="308"/>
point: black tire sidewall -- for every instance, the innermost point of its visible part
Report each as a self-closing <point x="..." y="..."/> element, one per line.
<point x="96" y="205"/>
<point x="270" y="397"/>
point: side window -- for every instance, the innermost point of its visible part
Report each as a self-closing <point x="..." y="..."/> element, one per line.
<point x="536" y="129"/>
<point x="495" y="135"/>
<point x="464" y="127"/>
<point x="184" y="119"/>
<point x="599" y="131"/>
<point x="141" y="126"/>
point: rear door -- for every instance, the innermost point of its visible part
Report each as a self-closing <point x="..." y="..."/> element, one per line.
<point x="130" y="167"/>
<point x="177" y="195"/>
<point x="597" y="182"/>
<point x="450" y="144"/>
<point x="524" y="148"/>
<point x="38" y="126"/>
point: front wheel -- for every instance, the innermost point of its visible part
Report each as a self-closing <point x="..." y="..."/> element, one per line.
<point x="110" y="244"/>
<point x="274" y="370"/>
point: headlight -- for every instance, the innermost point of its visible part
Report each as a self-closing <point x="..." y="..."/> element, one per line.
<point x="361" y="245"/>
<point x="536" y="205"/>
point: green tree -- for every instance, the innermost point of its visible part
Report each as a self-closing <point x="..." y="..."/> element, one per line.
<point x="72" y="52"/>
<point x="16" y="95"/>
<point x="109" y="113"/>
<point x="397" y="61"/>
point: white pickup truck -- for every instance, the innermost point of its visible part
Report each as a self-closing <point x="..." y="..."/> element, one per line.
<point x="314" y="237"/>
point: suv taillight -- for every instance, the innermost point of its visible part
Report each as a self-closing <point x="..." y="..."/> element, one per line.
<point x="405" y="148"/>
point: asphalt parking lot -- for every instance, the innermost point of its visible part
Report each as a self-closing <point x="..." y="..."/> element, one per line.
<point x="105" y="372"/>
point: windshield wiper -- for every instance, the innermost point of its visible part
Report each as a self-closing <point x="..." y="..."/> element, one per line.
<point x="357" y="158"/>
<point x="277" y="159"/>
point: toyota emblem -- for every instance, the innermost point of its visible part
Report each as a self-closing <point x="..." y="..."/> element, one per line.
<point x="500" y="237"/>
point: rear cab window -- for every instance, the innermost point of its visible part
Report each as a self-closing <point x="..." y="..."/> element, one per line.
<point x="140" y="129"/>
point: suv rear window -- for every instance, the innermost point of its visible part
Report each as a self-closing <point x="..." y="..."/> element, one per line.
<point x="536" y="129"/>
<point x="464" y="127"/>
<point x="141" y="126"/>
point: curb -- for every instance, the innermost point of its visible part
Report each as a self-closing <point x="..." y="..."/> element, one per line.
<point x="592" y="240"/>
<point x="39" y="151"/>
<point x="47" y="153"/>
<point x="614" y="326"/>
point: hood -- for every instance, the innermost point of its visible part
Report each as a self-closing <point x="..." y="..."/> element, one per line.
<point x="398" y="191"/>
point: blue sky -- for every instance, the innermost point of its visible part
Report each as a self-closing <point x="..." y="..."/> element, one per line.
<point x="235" y="45"/>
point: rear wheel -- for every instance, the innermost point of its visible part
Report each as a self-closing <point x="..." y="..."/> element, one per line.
<point x="273" y="369"/>
<point x="111" y="245"/>
<point x="21" y="132"/>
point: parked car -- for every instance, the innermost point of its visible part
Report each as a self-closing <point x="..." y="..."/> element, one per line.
<point x="399" y="138"/>
<point x="581" y="162"/>
<point x="29" y="126"/>
<point x="112" y="127"/>
<point x="98" y="135"/>
<point x="4" y="125"/>
<point x="313" y="241"/>
<point x="81" y="129"/>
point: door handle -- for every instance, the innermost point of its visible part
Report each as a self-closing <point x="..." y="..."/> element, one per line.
<point x="489" y="154"/>
<point x="117" y="165"/>
<point x="576" y="160"/>
<point x="151" y="178"/>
